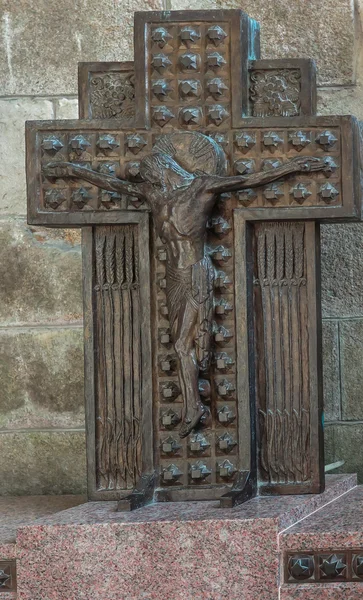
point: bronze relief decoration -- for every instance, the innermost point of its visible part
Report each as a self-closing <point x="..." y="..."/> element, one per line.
<point x="200" y="205"/>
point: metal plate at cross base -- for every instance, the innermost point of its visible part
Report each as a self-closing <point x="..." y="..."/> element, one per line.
<point x="199" y="175"/>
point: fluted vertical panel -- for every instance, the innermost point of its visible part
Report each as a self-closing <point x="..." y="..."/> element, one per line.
<point x="118" y="366"/>
<point x="282" y="352"/>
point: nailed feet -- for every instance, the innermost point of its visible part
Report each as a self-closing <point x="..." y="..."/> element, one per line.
<point x="191" y="420"/>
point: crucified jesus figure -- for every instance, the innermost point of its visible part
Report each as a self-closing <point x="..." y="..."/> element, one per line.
<point x="181" y="198"/>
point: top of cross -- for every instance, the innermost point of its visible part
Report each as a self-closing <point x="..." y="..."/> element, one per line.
<point x="192" y="68"/>
<point x="192" y="71"/>
<point x="198" y="71"/>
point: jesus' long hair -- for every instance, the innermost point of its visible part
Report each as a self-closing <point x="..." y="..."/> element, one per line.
<point x="159" y="168"/>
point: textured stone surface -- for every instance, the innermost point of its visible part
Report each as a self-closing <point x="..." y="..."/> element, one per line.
<point x="211" y="559"/>
<point x="42" y="462"/>
<point x="40" y="274"/>
<point x="284" y="511"/>
<point x="342" y="269"/>
<point x="17" y="511"/>
<point x="320" y="30"/>
<point x="344" y="441"/>
<point x="43" y="41"/>
<point x="338" y="525"/>
<point x="347" y="100"/>
<point x="351" y="349"/>
<point x="328" y="591"/>
<point x="170" y="550"/>
<point x="41" y="374"/>
<point x="13" y="114"/>
<point x="341" y="101"/>
<point x="331" y="371"/>
<point x="66" y="108"/>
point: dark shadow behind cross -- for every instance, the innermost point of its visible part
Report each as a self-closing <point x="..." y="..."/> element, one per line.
<point x="199" y="71"/>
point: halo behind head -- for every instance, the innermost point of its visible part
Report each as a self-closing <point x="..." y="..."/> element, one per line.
<point x="153" y="167"/>
<point x="195" y="152"/>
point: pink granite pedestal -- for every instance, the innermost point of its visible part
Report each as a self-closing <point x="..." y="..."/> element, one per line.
<point x="16" y="512"/>
<point x="336" y="530"/>
<point x="179" y="551"/>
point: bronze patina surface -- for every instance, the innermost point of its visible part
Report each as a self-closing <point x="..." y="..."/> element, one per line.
<point x="199" y="175"/>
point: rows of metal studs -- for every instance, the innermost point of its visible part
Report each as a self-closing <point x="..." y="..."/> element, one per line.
<point x="222" y="362"/>
<point x="189" y="35"/>
<point x="216" y="114"/>
<point x="298" y="140"/>
<point x="107" y="144"/>
<point x="189" y="88"/>
<point x="189" y="62"/>
<point x="199" y="444"/>
<point x="198" y="471"/>
<point x="135" y="142"/>
<point x="324" y="567"/>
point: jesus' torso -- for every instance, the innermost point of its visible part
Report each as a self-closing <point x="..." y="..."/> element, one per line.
<point x="180" y="216"/>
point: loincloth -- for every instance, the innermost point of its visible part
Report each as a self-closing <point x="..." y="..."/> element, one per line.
<point x="192" y="286"/>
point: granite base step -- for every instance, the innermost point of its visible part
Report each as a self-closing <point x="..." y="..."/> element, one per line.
<point x="14" y="513"/>
<point x="66" y="549"/>
<point x="179" y="551"/>
<point x="322" y="555"/>
<point x="328" y="591"/>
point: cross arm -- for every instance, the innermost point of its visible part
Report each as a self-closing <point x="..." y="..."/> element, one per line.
<point x="101" y="180"/>
<point x="300" y="164"/>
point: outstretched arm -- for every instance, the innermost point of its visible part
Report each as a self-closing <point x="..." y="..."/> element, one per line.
<point x="101" y="180"/>
<point x="300" y="164"/>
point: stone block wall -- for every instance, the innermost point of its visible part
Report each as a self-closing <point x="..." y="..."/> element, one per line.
<point x="42" y="441"/>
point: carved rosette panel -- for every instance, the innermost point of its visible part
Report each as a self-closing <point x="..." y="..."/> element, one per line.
<point x="116" y="293"/>
<point x="112" y="96"/>
<point x="275" y="93"/>
<point x="282" y="352"/>
<point x="208" y="456"/>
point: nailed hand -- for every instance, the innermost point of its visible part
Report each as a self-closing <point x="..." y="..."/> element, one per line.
<point x="58" y="169"/>
<point x="309" y="164"/>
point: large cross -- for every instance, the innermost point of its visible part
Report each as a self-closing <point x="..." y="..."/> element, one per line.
<point x="259" y="425"/>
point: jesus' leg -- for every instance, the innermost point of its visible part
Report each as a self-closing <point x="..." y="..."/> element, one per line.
<point x="184" y="345"/>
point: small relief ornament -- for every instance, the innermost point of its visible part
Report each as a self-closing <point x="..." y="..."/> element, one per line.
<point x="171" y="473"/>
<point x="54" y="198"/>
<point x="358" y="565"/>
<point x="5" y="579"/>
<point x="301" y="567"/>
<point x="332" y="566"/>
<point x="216" y="35"/>
<point x="275" y="93"/>
<point x="112" y="96"/>
<point x="160" y="36"/>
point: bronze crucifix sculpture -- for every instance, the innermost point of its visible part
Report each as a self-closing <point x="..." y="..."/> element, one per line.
<point x="202" y="332"/>
<point x="181" y="204"/>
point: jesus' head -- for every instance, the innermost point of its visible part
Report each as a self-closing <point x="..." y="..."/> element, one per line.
<point x="160" y="169"/>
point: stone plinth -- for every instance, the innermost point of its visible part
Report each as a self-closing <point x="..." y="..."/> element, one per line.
<point x="18" y="511"/>
<point x="179" y="551"/>
<point x="329" y="591"/>
<point x="333" y="534"/>
<point x="338" y="525"/>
